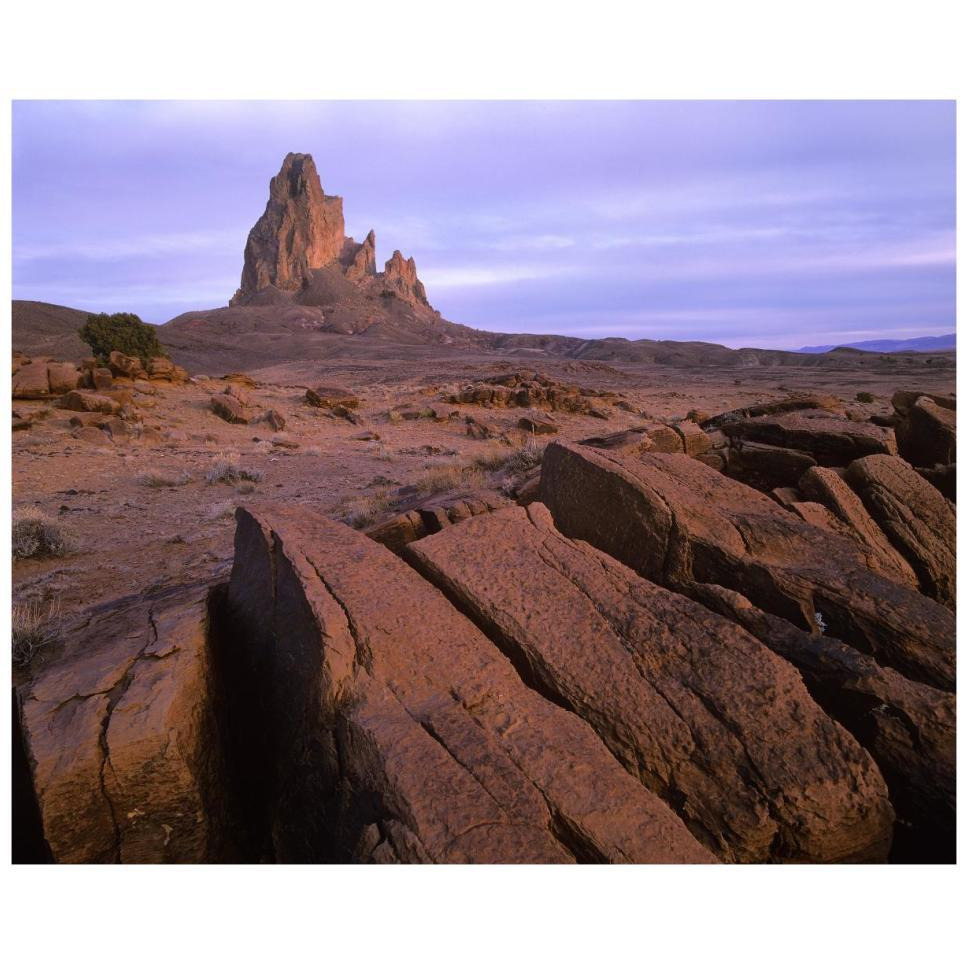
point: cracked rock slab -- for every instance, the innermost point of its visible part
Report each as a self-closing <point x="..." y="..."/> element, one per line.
<point x="691" y="704"/>
<point x="401" y="732"/>
<point x="676" y="522"/>
<point x="121" y="738"/>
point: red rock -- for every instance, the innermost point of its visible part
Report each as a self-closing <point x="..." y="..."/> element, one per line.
<point x="824" y="486"/>
<point x="363" y="262"/>
<point x="123" y="366"/>
<point x="30" y="382"/>
<point x="908" y="728"/>
<point x="403" y="733"/>
<point x="928" y="434"/>
<point x="63" y="377"/>
<point x="831" y="441"/>
<point x="917" y="519"/>
<point x="695" y="707"/>
<point x="121" y="737"/>
<point x="400" y="277"/>
<point x="695" y="441"/>
<point x="903" y="400"/>
<point x="89" y="402"/>
<point x="788" y="404"/>
<point x="301" y="229"/>
<point x="765" y="467"/>
<point x="536" y="425"/>
<point x="101" y="378"/>
<point x="329" y="396"/>
<point x="677" y="522"/>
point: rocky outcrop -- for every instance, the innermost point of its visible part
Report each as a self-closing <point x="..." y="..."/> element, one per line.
<point x="300" y="229"/>
<point x="696" y="708"/>
<point x="127" y="367"/>
<point x="121" y="736"/>
<point x="82" y="401"/>
<point x="826" y="487"/>
<point x="927" y="434"/>
<point x="397" y="731"/>
<point x="677" y="522"/>
<point x="328" y="396"/>
<point x="360" y="260"/>
<point x="829" y="440"/>
<point x="229" y="408"/>
<point x="40" y="379"/>
<point x="772" y="408"/>
<point x="400" y="279"/>
<point x="908" y="727"/>
<point x="526" y="389"/>
<point x="918" y="520"/>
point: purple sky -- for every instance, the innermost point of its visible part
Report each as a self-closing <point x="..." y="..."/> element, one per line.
<point x="767" y="223"/>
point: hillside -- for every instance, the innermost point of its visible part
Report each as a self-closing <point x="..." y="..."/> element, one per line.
<point x="41" y="329"/>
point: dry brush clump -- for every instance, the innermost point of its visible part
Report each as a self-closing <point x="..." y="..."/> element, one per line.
<point x="152" y="478"/>
<point x="362" y="511"/>
<point x="38" y="536"/>
<point x="34" y="625"/>
<point x="227" y="470"/>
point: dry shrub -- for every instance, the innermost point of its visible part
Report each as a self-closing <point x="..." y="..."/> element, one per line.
<point x="151" y="478"/>
<point x="223" y="510"/>
<point x="34" y="625"/>
<point x="227" y="470"/>
<point x="530" y="455"/>
<point x="360" y="512"/>
<point x="37" y="536"/>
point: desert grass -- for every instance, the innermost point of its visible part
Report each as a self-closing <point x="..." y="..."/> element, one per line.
<point x="34" y="625"/>
<point x="36" y="535"/>
<point x="364" y="511"/>
<point x="152" y="478"/>
<point x="227" y="470"/>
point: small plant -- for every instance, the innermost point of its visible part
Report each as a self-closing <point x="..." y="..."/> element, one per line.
<point x="530" y="455"/>
<point x="227" y="470"/>
<point x="37" y="536"/>
<point x="865" y="397"/>
<point x="34" y="625"/>
<point x="222" y="511"/>
<point x="360" y="512"/>
<point x="125" y="332"/>
<point x="153" y="479"/>
<point x="821" y="623"/>
<point x="491" y="460"/>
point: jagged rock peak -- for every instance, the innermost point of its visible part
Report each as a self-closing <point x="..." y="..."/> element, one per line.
<point x="301" y="229"/>
<point x="360" y="259"/>
<point x="401" y="276"/>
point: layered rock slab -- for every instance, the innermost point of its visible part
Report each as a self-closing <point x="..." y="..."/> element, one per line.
<point x="677" y="522"/>
<point x="690" y="703"/>
<point x="908" y="728"/>
<point x="401" y="733"/>
<point x="121" y="735"/>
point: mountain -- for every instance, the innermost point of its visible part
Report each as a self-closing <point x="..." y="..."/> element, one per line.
<point x="919" y="344"/>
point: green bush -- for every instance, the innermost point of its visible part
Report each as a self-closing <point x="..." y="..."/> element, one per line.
<point x="126" y="332"/>
<point x="864" y="397"/>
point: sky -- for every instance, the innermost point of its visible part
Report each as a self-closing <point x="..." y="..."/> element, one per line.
<point x="748" y="223"/>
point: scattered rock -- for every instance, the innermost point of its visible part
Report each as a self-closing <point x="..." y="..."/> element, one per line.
<point x="328" y="397"/>
<point x="536" y="425"/>
<point x="228" y="408"/>
<point x="89" y="402"/>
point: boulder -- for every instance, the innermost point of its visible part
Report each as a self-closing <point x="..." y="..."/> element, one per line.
<point x="328" y="396"/>
<point x="125" y="366"/>
<point x="228" y="408"/>
<point x="121" y="735"/>
<point x="30" y="382"/>
<point x="831" y="441"/>
<point x="275" y="419"/>
<point x="772" y="407"/>
<point x="89" y="402"/>
<point x="917" y="519"/>
<point x="694" y="440"/>
<point x="93" y="435"/>
<point x="536" y="425"/>
<point x="943" y="477"/>
<point x="903" y="400"/>
<point x="400" y="732"/>
<point x="826" y="487"/>
<point x="63" y="377"/>
<point x="163" y="368"/>
<point x="677" y="522"/>
<point x="928" y="434"/>
<point x="101" y="378"/>
<point x="691" y="704"/>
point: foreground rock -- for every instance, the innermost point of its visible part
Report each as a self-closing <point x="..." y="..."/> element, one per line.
<point x="691" y="704"/>
<point x="677" y="522"/>
<point x="400" y="733"/>
<point x="328" y="397"/>
<point x="122" y="739"/>
<point x="927" y="433"/>
<point x="824" y="486"/>
<point x="908" y="727"/>
<point x="918" y="519"/>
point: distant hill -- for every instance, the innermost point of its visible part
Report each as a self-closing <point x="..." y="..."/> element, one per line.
<point x="45" y="329"/>
<point x="917" y="344"/>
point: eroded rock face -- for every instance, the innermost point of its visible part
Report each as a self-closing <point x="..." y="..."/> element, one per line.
<point x="826" y="487"/>
<point x="400" y="277"/>
<point x="919" y="521"/>
<point x="692" y="705"/>
<point x="229" y="408"/>
<point x="369" y="679"/>
<point x="927" y="435"/>
<point x="908" y="727"/>
<point x="301" y="229"/>
<point x="829" y="440"/>
<point x="362" y="261"/>
<point x="121" y="737"/>
<point x="676" y="521"/>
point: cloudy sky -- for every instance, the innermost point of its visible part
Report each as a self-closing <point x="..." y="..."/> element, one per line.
<point x="765" y="223"/>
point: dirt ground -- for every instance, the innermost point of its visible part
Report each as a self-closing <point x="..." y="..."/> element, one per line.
<point x="134" y="537"/>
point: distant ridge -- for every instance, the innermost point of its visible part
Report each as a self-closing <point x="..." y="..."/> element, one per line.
<point x="918" y="344"/>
